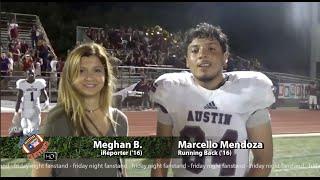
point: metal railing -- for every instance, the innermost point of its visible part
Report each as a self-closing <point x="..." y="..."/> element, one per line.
<point x="3" y="14"/>
<point x="46" y="37"/>
<point x="128" y="75"/>
<point x="81" y="35"/>
<point x="290" y="78"/>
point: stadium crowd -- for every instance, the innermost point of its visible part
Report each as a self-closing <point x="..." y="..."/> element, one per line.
<point x="146" y="46"/>
<point x="152" y="46"/>
<point x="141" y="47"/>
<point x="19" y="56"/>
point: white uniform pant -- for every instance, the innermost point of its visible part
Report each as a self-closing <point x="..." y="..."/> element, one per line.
<point x="30" y="120"/>
<point x="313" y="101"/>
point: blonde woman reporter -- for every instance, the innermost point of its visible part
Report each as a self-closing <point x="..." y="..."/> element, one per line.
<point x="84" y="109"/>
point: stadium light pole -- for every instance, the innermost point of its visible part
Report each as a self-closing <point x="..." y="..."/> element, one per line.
<point x="314" y="39"/>
<point x="301" y="15"/>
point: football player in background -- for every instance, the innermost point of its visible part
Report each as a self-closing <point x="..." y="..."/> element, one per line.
<point x="27" y="121"/>
<point x="313" y="102"/>
<point x="208" y="104"/>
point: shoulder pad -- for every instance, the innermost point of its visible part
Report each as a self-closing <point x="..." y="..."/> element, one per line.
<point x="250" y="76"/>
<point x="164" y="85"/>
<point x="19" y="82"/>
<point x="254" y="90"/>
<point x="42" y="83"/>
<point x="171" y="79"/>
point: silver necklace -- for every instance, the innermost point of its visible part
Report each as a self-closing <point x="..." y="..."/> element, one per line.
<point x="91" y="111"/>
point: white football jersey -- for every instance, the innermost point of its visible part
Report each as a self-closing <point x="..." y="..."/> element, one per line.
<point x="214" y="115"/>
<point x="31" y="92"/>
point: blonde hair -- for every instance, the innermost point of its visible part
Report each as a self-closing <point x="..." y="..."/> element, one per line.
<point x="71" y="99"/>
<point x="9" y="54"/>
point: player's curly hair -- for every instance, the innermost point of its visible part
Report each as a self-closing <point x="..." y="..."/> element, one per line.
<point x="71" y="99"/>
<point x="205" y="30"/>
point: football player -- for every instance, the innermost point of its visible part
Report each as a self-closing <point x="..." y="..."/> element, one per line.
<point x="313" y="102"/>
<point x="210" y="105"/>
<point x="27" y="121"/>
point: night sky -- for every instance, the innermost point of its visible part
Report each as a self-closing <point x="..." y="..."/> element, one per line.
<point x="275" y="33"/>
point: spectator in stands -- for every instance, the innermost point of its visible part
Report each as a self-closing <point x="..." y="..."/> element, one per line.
<point x="129" y="60"/>
<point x="17" y="43"/>
<point x="11" y="46"/>
<point x="27" y="62"/>
<point x="16" y="55"/>
<point x="142" y="86"/>
<point x="145" y="97"/>
<point x="39" y="34"/>
<point x="44" y="53"/>
<point x="53" y="75"/>
<point x="140" y="61"/>
<point x="24" y="47"/>
<point x="5" y="63"/>
<point x="9" y="55"/>
<point x="313" y="102"/>
<point x="101" y="36"/>
<point x="51" y="57"/>
<point x="37" y="66"/>
<point x="152" y="59"/>
<point x="90" y="33"/>
<point x="13" y="30"/>
<point x="275" y="89"/>
<point x="155" y="44"/>
<point x="150" y="85"/>
<point x="34" y="38"/>
<point x="44" y="50"/>
<point x="35" y="56"/>
<point x="60" y="66"/>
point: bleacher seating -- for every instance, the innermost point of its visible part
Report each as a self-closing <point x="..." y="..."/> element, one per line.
<point x="25" y="23"/>
<point x="126" y="75"/>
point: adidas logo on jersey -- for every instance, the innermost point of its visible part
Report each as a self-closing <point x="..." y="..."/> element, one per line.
<point x="211" y="105"/>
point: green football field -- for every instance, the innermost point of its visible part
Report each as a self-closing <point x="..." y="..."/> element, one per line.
<point x="293" y="156"/>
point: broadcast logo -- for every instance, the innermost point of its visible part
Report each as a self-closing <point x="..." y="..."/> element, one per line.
<point x="34" y="146"/>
